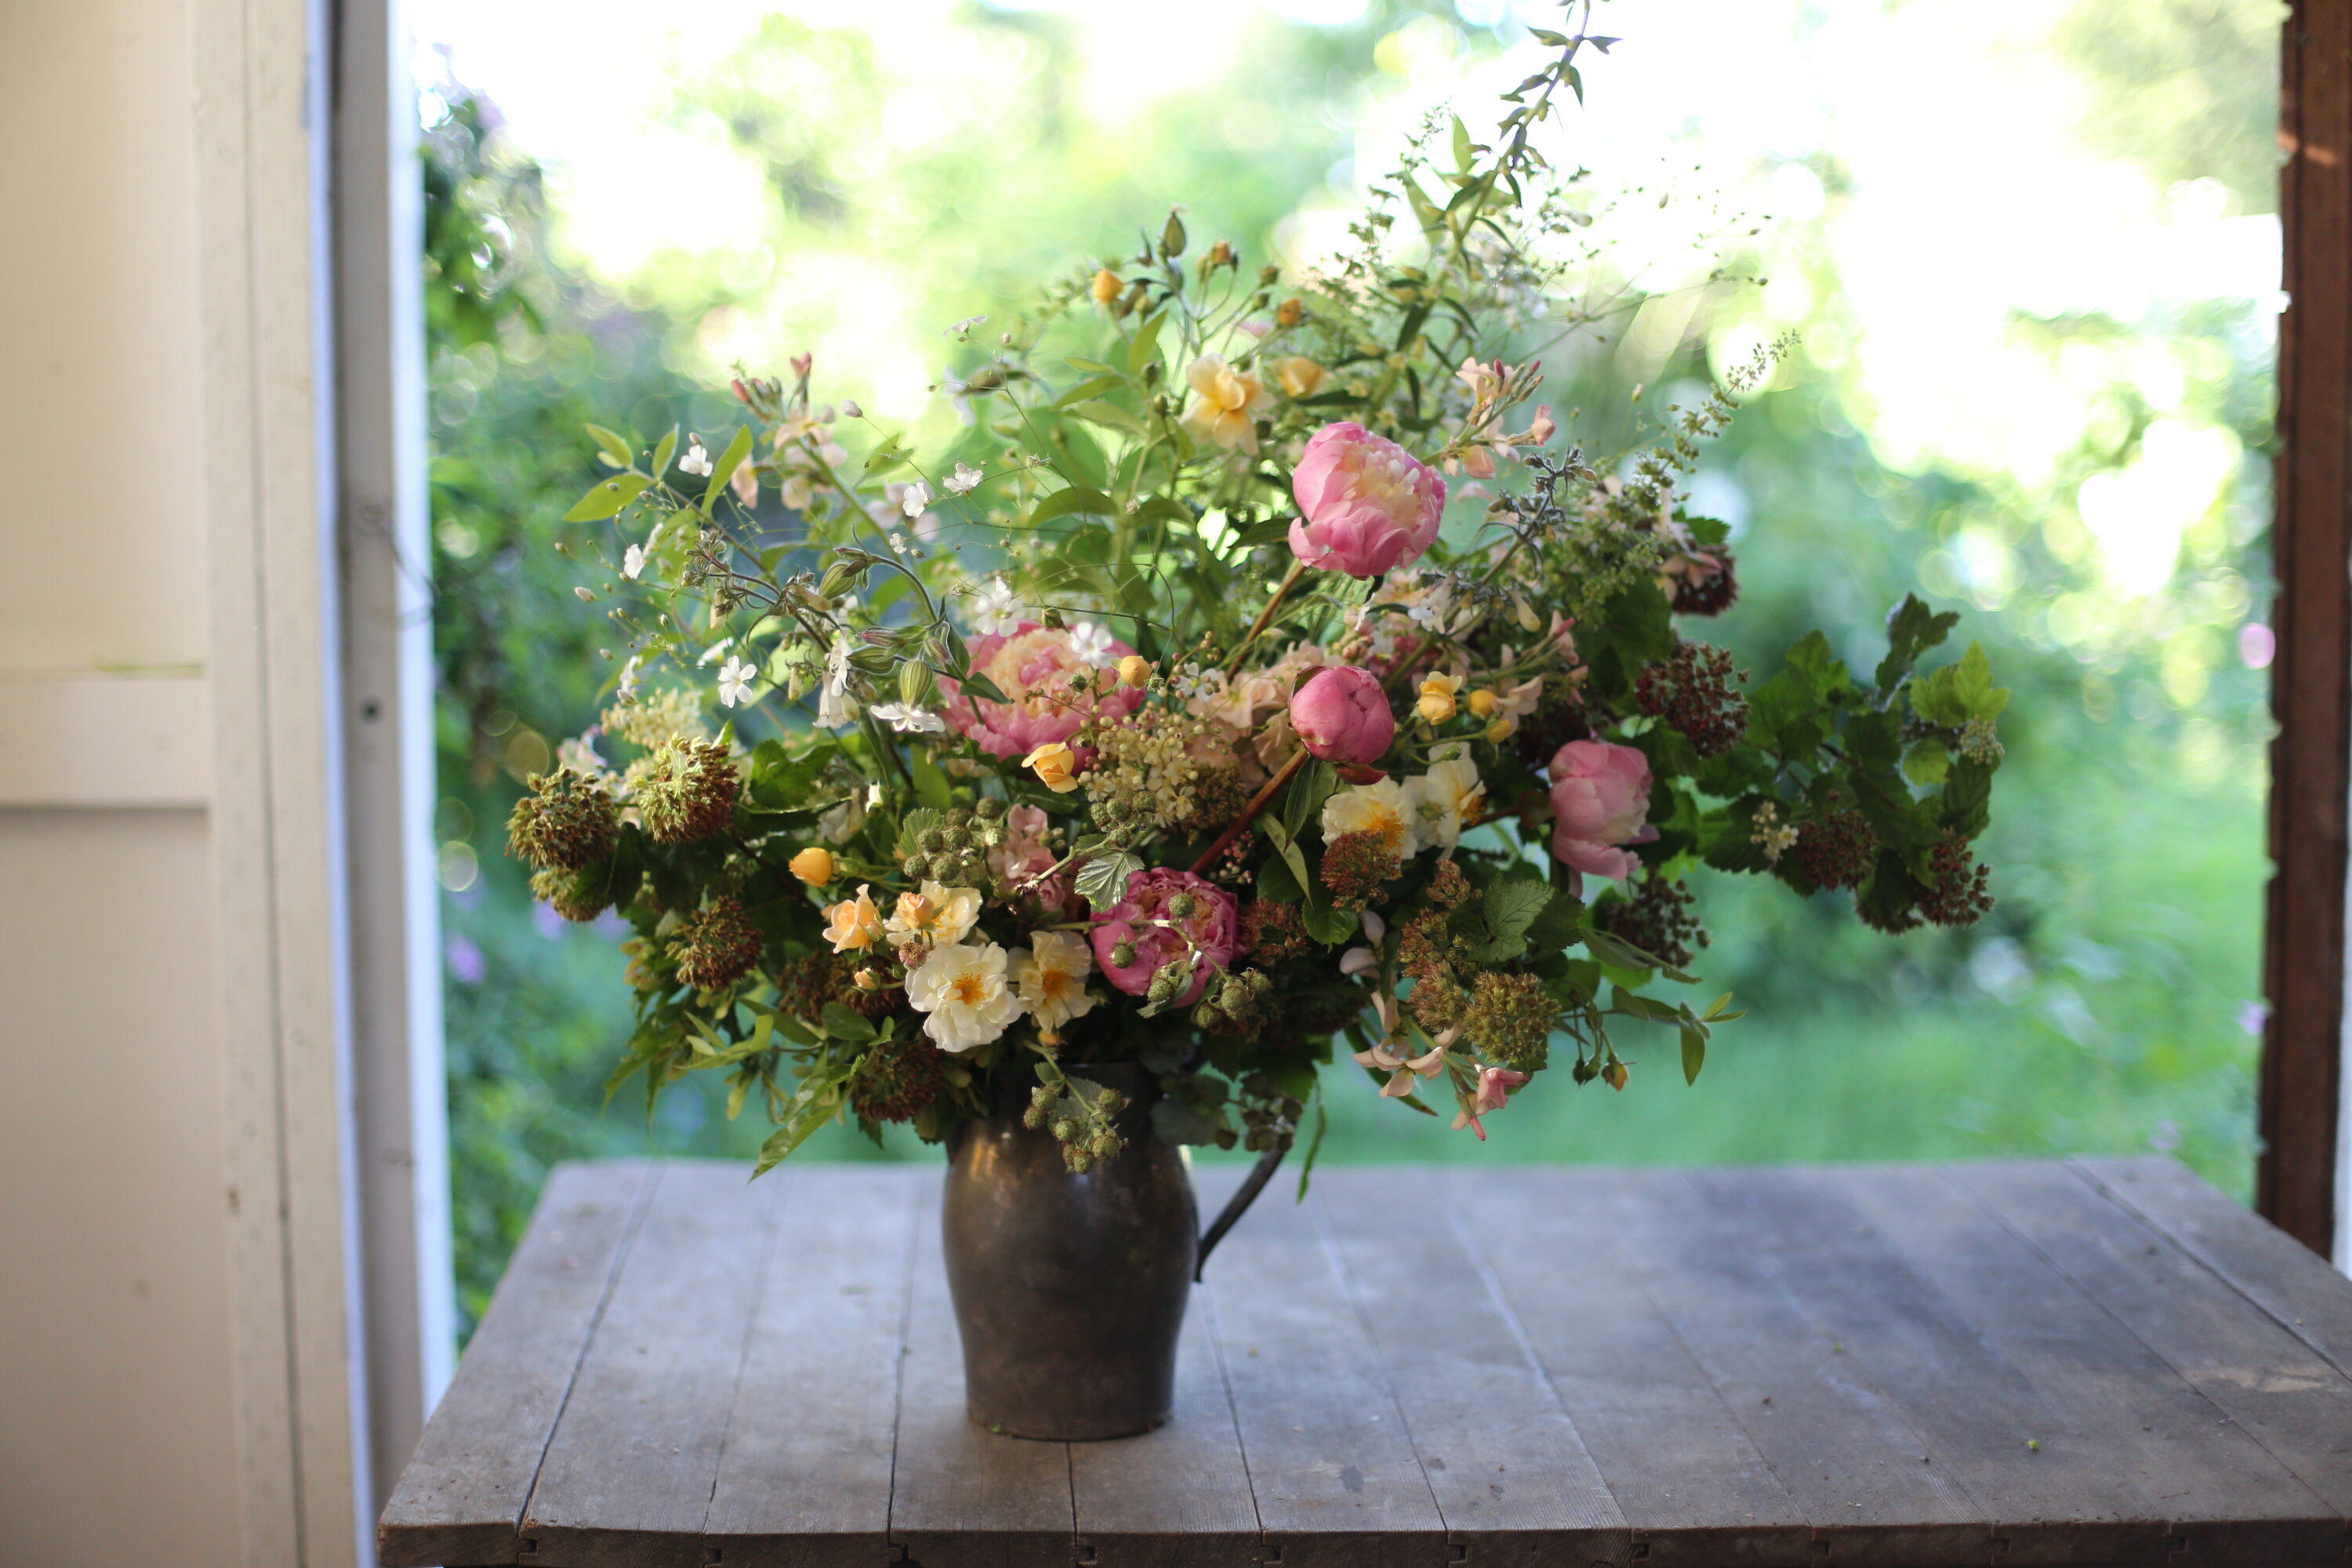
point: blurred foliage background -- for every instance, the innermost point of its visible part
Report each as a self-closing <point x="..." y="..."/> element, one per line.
<point x="2030" y="252"/>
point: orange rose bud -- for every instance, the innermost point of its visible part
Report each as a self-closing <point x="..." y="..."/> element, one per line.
<point x="1134" y="670"/>
<point x="813" y="865"/>
<point x="1105" y="286"/>
<point x="1290" y="312"/>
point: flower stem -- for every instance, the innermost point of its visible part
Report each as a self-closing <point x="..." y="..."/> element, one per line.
<point x="1249" y="813"/>
<point x="1290" y="580"/>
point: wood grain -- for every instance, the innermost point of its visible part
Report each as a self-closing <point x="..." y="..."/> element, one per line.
<point x="2311" y="677"/>
<point x="1892" y="1367"/>
<point x="463" y="1494"/>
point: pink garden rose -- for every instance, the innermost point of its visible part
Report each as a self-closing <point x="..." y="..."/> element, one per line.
<point x="1034" y="667"/>
<point x="1342" y="715"/>
<point x="1215" y="924"/>
<point x="1367" y="504"/>
<point x="1600" y="795"/>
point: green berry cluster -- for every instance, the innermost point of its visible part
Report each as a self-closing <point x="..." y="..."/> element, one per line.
<point x="567" y="821"/>
<point x="688" y="792"/>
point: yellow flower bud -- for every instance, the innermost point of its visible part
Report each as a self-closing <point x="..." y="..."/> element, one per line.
<point x="1052" y="763"/>
<point x="1300" y="377"/>
<point x="1290" y="312"/>
<point x="1134" y="670"/>
<point x="1105" y="286"/>
<point x="1436" y="703"/>
<point x="1502" y="729"/>
<point x="866" y="980"/>
<point x="1482" y="702"/>
<point x="813" y="865"/>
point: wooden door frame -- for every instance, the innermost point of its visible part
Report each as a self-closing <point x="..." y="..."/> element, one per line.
<point x="2302" y="1165"/>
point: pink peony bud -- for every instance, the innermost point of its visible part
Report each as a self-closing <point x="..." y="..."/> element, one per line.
<point x="1600" y="797"/>
<point x="1369" y="505"/>
<point x="1214" y="924"/>
<point x="1342" y="715"/>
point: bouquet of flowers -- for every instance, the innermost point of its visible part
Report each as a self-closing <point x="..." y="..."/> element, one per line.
<point x="1261" y="678"/>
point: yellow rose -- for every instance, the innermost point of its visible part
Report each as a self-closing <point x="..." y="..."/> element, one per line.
<point x="1134" y="670"/>
<point x="1436" y="703"/>
<point x="854" y="922"/>
<point x="813" y="865"/>
<point x="1052" y="763"/>
<point x="1300" y="377"/>
<point x="1225" y="405"/>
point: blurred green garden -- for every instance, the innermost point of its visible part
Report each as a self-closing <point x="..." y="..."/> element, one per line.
<point x="2028" y="254"/>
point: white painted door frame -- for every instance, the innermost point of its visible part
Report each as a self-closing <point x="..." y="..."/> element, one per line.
<point x="322" y="769"/>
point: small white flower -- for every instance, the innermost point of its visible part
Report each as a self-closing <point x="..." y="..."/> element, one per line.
<point x="697" y="461"/>
<point x="627" y="689"/>
<point x="873" y="795"/>
<point x="735" y="682"/>
<point x="834" y="707"/>
<point x="1090" y="640"/>
<point x="995" y="610"/>
<point x="578" y="753"/>
<point x="715" y="650"/>
<point x="633" y="562"/>
<point x="905" y="717"/>
<point x="849" y="409"/>
<point x="916" y="499"/>
<point x="963" y="330"/>
<point x="964" y="480"/>
<point x="898" y="542"/>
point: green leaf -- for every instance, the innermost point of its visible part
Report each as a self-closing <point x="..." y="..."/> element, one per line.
<point x="886" y="456"/>
<point x="1314" y="1144"/>
<point x="1284" y="845"/>
<point x="617" y="452"/>
<point x="931" y="786"/>
<point x="607" y="496"/>
<point x="1076" y="499"/>
<point x="1461" y="145"/>
<point x="1329" y="926"/>
<point x="1959" y="692"/>
<point x="1147" y="342"/>
<point x="1693" y="1052"/>
<point x="1912" y="628"/>
<point x="1816" y="665"/>
<point x="843" y="1023"/>
<point x="1275" y="884"/>
<point x="738" y="447"/>
<point x="1096" y="412"/>
<point x="1092" y="386"/>
<point x="1102" y="881"/>
<point x="1928" y="762"/>
<point x="1967" y="798"/>
<point x="663" y="452"/>
<point x="1512" y="904"/>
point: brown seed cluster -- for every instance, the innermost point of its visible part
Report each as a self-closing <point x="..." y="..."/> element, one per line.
<point x="1697" y="692"/>
<point x="567" y="821"/>
<point x="716" y="945"/>
<point x="803" y="986"/>
<point x="1510" y="1017"/>
<point x="1655" y="916"/>
<point x="1355" y="864"/>
<point x="1701" y="592"/>
<point x="1959" y="897"/>
<point x="687" y="791"/>
<point x="578" y="895"/>
<point x="1273" y="931"/>
<point x="897" y="1079"/>
<point x="1837" y="850"/>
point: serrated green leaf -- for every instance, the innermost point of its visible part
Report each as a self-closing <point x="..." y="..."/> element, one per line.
<point x="1329" y="926"/>
<point x="1102" y="881"/>
<point x="1912" y="628"/>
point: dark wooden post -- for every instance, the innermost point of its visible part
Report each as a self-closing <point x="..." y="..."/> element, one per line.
<point x="2311" y="681"/>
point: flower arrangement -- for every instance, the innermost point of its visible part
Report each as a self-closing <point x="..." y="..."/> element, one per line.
<point x="1261" y="679"/>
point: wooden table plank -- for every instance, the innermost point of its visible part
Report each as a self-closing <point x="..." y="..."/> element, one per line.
<point x="2121" y="1409"/>
<point x="2277" y="1273"/>
<point x="1716" y="1258"/>
<point x="1683" y="1471"/>
<point x="1979" y="1416"/>
<point x="1337" y="1479"/>
<point x="2288" y="1397"/>
<point x="463" y="1494"/>
<point x="805" y="1477"/>
<point x="1510" y="1475"/>
<point x="961" y="1497"/>
<point x="627" y="1480"/>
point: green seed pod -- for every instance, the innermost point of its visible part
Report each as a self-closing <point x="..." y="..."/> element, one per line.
<point x="915" y="683"/>
<point x="1122" y="956"/>
<point x="1182" y="905"/>
<point x="932" y="841"/>
<point x="956" y="816"/>
<point x="988" y="809"/>
<point x="1172" y="237"/>
<point x="840" y="579"/>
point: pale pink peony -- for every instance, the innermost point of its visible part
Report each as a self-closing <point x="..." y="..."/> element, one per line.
<point x="1214" y="925"/>
<point x="1368" y="504"/>
<point x="1342" y="715"/>
<point x="1034" y="667"/>
<point x="1600" y="798"/>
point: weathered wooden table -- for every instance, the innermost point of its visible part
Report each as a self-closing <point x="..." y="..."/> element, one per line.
<point x="2097" y="1361"/>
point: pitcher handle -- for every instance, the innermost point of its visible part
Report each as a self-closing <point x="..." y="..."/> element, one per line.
<point x="1254" y="1183"/>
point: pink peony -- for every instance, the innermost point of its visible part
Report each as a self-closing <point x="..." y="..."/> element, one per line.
<point x="1600" y="795"/>
<point x="1342" y="715"/>
<point x="1369" y="505"/>
<point x="1034" y="667"/>
<point x="1214" y="925"/>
